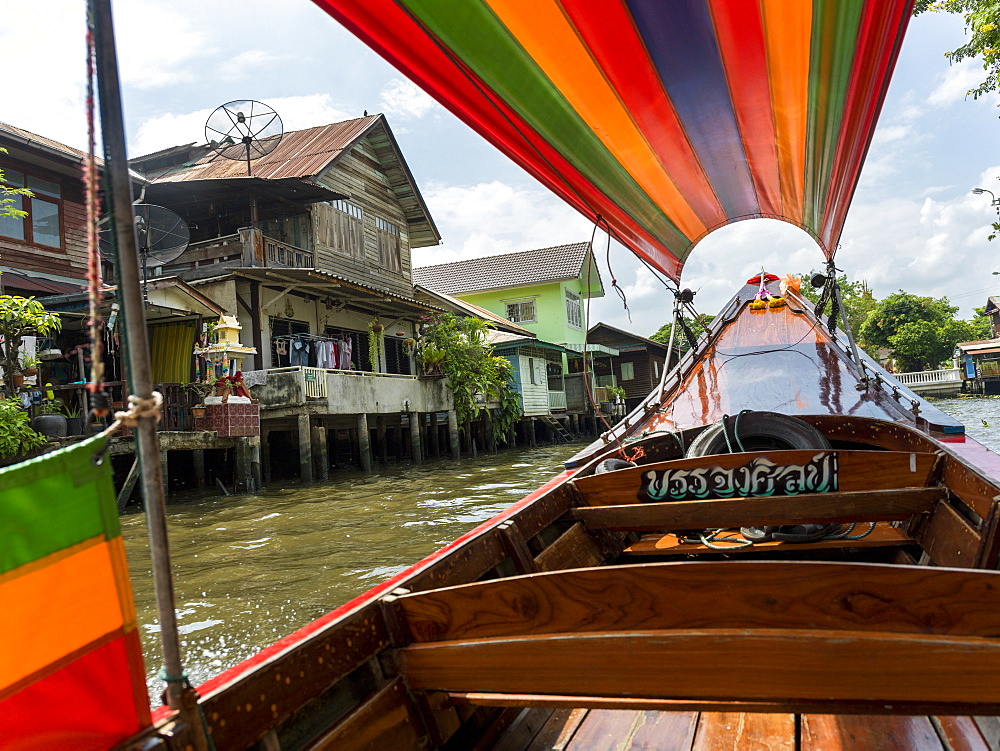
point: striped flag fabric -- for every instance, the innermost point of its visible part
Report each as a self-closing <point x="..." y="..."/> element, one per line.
<point x="71" y="668"/>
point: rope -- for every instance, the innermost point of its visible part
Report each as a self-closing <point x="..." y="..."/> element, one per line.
<point x="94" y="281"/>
<point x="138" y="409"/>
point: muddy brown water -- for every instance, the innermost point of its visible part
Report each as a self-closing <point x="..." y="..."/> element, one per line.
<point x="251" y="569"/>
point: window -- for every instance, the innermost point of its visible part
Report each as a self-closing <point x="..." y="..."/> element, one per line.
<point x="521" y="311"/>
<point x="656" y="369"/>
<point x="532" y="374"/>
<point x="388" y="245"/>
<point x="43" y="224"/>
<point x="628" y="371"/>
<point x="574" y="314"/>
<point x="340" y="226"/>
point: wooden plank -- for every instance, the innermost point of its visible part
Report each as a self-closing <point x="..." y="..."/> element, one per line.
<point x="516" y="548"/>
<point x="721" y="731"/>
<point x="796" y="665"/>
<point x="964" y="481"/>
<point x="716" y="594"/>
<point x="812" y="706"/>
<point x="960" y="733"/>
<point x="558" y="731"/>
<point x="664" y="731"/>
<point x="523" y="731"/>
<point x="386" y="720"/>
<point x="604" y="730"/>
<point x="989" y="726"/>
<point x="949" y="540"/>
<point x="466" y="563"/>
<point x="574" y="548"/>
<point x="882" y="505"/>
<point x="882" y="536"/>
<point x="858" y="470"/>
<point x="886" y="733"/>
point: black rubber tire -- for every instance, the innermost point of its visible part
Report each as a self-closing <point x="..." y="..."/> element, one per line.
<point x="612" y="465"/>
<point x="758" y="431"/>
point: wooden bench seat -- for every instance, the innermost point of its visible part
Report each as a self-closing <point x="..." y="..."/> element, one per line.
<point x="883" y="535"/>
<point x="881" y="505"/>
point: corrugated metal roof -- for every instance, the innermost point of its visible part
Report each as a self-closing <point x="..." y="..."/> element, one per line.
<point x="300" y="153"/>
<point x="507" y="270"/>
<point x="23" y="134"/>
<point x="13" y="280"/>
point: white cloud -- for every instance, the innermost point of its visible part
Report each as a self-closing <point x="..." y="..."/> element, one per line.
<point x="402" y="99"/>
<point x="159" y="46"/>
<point x="173" y="129"/>
<point x="954" y="84"/>
<point x="245" y="64"/>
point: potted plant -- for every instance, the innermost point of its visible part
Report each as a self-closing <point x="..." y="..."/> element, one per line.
<point x="202" y="390"/>
<point x="50" y="420"/>
<point x="74" y="420"/>
<point x="28" y="364"/>
<point x="16" y="436"/>
<point x="409" y="345"/>
<point x="376" y="343"/>
<point x="618" y="392"/>
<point x="432" y="358"/>
<point x="20" y="317"/>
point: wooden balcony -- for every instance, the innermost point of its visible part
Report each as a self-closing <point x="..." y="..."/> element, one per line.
<point x="247" y="248"/>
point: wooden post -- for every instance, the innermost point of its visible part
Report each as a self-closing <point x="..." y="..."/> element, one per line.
<point x="163" y="470"/>
<point x="198" y="460"/>
<point x="319" y="451"/>
<point x="574" y="423"/>
<point x="400" y="439"/>
<point x="416" y="452"/>
<point x="258" y="341"/>
<point x="453" y="437"/>
<point x="491" y="444"/>
<point x="470" y="438"/>
<point x="130" y="480"/>
<point x="532" y="440"/>
<point x="305" y="450"/>
<point x="364" y="443"/>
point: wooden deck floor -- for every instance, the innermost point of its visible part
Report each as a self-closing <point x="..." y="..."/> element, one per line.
<point x="630" y="730"/>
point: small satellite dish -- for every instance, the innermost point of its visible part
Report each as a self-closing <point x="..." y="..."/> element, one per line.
<point x="243" y="130"/>
<point x="161" y="235"/>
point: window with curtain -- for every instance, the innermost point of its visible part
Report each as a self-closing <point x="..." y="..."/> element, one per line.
<point x="43" y="223"/>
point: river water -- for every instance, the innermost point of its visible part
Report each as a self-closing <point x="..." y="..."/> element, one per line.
<point x="251" y="569"/>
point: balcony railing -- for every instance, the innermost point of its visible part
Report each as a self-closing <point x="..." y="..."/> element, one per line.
<point x="928" y="377"/>
<point x="557" y="400"/>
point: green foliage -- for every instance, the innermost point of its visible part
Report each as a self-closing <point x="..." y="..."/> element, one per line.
<point x="982" y="325"/>
<point x="898" y="309"/>
<point x="20" y="316"/>
<point x="376" y="343"/>
<point x="8" y="196"/>
<point x="476" y="376"/>
<point x="16" y="436"/>
<point x="698" y="326"/>
<point x="982" y="24"/>
<point x="856" y="296"/>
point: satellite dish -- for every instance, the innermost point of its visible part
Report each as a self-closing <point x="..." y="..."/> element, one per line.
<point x="243" y="130"/>
<point x="161" y="235"/>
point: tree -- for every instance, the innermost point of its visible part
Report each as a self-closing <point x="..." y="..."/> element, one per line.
<point x="698" y="326"/>
<point x="859" y="302"/>
<point x="982" y="22"/>
<point x="9" y="196"/>
<point x="901" y="308"/>
<point x="925" y="344"/>
<point x="20" y="317"/>
<point x="459" y="346"/>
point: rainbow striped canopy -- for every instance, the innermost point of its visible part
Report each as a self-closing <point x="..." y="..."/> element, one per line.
<point x="667" y="118"/>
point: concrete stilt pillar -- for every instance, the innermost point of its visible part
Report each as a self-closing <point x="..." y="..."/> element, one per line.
<point x="243" y="479"/>
<point x="380" y="439"/>
<point x="400" y="439"/>
<point x="453" y="436"/>
<point x="305" y="449"/>
<point x="255" y="463"/>
<point x="319" y="452"/>
<point x="574" y="423"/>
<point x="198" y="460"/>
<point x="416" y="450"/>
<point x="470" y="437"/>
<point x="265" y="455"/>
<point x="435" y="435"/>
<point x="166" y="475"/>
<point x="364" y="443"/>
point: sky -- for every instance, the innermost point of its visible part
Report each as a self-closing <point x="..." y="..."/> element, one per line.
<point x="914" y="223"/>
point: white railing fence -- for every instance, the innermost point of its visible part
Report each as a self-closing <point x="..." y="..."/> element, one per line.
<point x="923" y="377"/>
<point x="557" y="400"/>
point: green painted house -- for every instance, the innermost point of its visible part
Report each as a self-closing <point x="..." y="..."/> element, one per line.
<point x="543" y="290"/>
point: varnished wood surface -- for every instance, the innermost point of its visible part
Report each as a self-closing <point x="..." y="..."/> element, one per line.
<point x="779" y="360"/>
<point x="721" y="731"/>
<point x="387" y="720"/>
<point x="858" y="470"/>
<point x="882" y="536"/>
<point x="718" y="594"/>
<point x="800" y="665"/>
<point x="881" y="505"/>
<point x="886" y="733"/>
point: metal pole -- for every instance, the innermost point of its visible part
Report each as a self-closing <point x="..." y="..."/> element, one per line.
<point x="670" y="344"/>
<point x="118" y="199"/>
